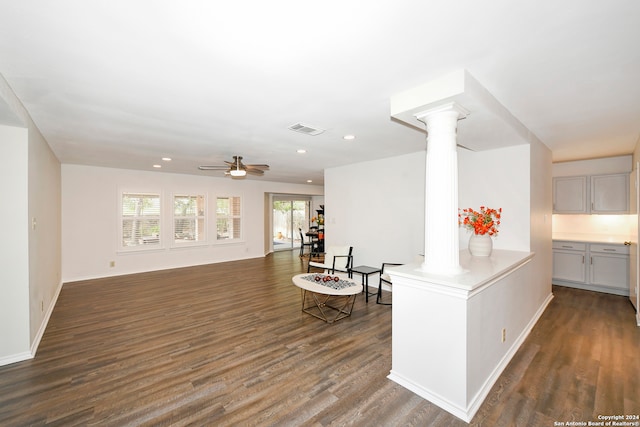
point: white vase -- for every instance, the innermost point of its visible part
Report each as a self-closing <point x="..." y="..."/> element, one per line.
<point x="480" y="244"/>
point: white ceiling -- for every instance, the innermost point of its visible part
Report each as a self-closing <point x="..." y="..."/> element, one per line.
<point x="122" y="83"/>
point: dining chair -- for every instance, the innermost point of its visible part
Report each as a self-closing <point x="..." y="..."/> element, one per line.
<point x="303" y="244"/>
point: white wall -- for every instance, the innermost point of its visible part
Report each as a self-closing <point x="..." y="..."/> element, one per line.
<point x="30" y="280"/>
<point x="45" y="248"/>
<point x="14" y="252"/>
<point x="378" y="208"/>
<point x="518" y="179"/>
<point x="601" y="166"/>
<point x="498" y="179"/>
<point x="541" y="205"/>
<point x="90" y="219"/>
<point x="604" y="225"/>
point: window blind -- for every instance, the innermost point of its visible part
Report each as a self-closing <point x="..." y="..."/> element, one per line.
<point x="140" y="219"/>
<point x="189" y="213"/>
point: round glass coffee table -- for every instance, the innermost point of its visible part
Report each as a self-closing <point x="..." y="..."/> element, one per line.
<point x="329" y="300"/>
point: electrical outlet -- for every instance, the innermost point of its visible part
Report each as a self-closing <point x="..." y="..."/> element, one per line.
<point x="504" y="334"/>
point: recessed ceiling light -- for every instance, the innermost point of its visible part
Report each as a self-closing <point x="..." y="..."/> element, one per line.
<point x="301" y="151"/>
<point x="157" y="166"/>
<point x="166" y="159"/>
<point x="349" y="137"/>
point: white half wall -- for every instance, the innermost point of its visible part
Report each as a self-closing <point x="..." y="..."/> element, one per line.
<point x="369" y="202"/>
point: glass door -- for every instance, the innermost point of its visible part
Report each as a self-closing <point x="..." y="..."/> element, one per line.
<point x="289" y="216"/>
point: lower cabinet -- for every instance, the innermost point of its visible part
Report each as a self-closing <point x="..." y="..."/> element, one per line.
<point x="592" y="266"/>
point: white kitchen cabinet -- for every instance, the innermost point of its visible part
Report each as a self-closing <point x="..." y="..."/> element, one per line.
<point x="597" y="194"/>
<point x="592" y="266"/>
<point x="610" y="194"/>
<point x="569" y="261"/>
<point x="609" y="266"/>
<point x="570" y="195"/>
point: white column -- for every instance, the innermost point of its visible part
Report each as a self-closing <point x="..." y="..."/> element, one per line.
<point x="441" y="248"/>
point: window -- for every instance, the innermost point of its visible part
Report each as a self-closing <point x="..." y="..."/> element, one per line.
<point x="140" y="220"/>
<point x="228" y="218"/>
<point x="188" y="219"/>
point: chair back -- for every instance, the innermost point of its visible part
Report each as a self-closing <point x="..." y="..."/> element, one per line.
<point x="301" y="236"/>
<point x="339" y="256"/>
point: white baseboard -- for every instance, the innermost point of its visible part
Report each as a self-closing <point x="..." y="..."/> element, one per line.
<point x="45" y="321"/>
<point x="432" y="397"/>
<point x="14" y="358"/>
<point x="594" y="288"/>
<point x="20" y="357"/>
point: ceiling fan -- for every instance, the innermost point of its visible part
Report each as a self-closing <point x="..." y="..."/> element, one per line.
<point x="236" y="168"/>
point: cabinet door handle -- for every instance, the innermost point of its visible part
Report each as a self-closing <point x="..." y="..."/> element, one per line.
<point x="583" y="259"/>
<point x="609" y="250"/>
<point x="566" y="246"/>
<point x="591" y="260"/>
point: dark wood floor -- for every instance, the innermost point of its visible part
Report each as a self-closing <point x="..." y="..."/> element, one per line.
<point x="227" y="344"/>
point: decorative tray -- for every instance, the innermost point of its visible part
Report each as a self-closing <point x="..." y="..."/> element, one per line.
<point x="333" y="282"/>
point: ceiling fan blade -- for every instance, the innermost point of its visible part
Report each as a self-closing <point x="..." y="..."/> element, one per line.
<point x="213" y="168"/>
<point x="236" y="165"/>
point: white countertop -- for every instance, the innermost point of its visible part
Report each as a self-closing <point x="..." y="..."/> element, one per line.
<point x="592" y="238"/>
<point x="477" y="271"/>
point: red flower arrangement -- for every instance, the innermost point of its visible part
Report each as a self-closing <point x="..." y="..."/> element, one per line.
<point x="484" y="222"/>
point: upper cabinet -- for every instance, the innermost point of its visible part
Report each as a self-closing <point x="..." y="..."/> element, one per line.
<point x="594" y="186"/>
<point x="598" y="194"/>
<point x="570" y="195"/>
<point x="610" y="194"/>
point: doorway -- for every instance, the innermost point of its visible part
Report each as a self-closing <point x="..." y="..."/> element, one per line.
<point x="289" y="215"/>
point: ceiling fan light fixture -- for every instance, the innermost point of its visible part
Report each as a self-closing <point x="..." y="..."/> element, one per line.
<point x="237" y="169"/>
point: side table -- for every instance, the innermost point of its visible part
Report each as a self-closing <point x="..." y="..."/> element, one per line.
<point x="365" y="271"/>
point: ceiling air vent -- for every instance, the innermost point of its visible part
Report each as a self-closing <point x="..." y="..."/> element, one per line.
<point x="306" y="129"/>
